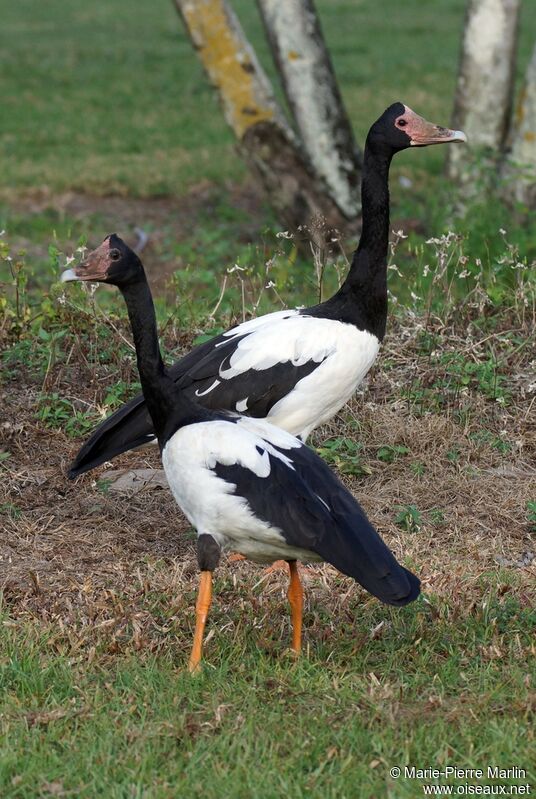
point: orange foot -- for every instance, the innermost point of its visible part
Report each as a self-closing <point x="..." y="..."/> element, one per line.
<point x="235" y="557"/>
<point x="277" y="566"/>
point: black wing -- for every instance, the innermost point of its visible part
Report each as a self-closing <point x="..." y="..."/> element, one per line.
<point x="262" y="387"/>
<point x="197" y="373"/>
<point x="315" y="511"/>
<point x="130" y="426"/>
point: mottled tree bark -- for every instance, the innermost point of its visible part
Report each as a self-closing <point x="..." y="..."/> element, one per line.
<point x="304" y="64"/>
<point x="520" y="165"/>
<point x="484" y="92"/>
<point x="268" y="144"/>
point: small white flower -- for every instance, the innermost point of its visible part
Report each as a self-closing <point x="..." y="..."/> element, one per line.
<point x="426" y="270"/>
<point x="464" y="273"/>
<point x="502" y="231"/>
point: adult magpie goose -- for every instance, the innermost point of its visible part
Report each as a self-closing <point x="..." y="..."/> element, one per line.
<point x="244" y="483"/>
<point x="295" y="368"/>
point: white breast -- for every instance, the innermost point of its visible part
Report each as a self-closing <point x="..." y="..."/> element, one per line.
<point x="348" y="354"/>
<point x="343" y="353"/>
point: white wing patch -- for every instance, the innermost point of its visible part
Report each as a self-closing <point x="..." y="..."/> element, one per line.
<point x="269" y="433"/>
<point x="323" y="502"/>
<point x="341" y="353"/>
<point x="253" y="324"/>
<point x="247" y="443"/>
<point x="214" y="385"/>
<point x="295" y="339"/>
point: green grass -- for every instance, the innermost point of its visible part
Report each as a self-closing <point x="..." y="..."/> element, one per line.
<point x="421" y="691"/>
<point x="110" y="97"/>
<point x="97" y="104"/>
<point x="94" y="696"/>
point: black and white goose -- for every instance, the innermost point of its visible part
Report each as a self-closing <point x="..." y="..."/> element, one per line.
<point x="245" y="484"/>
<point x="295" y="368"/>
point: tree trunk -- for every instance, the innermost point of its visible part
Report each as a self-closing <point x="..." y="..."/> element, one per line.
<point x="483" y="101"/>
<point x="520" y="165"/>
<point x="303" y="61"/>
<point x="268" y="144"/>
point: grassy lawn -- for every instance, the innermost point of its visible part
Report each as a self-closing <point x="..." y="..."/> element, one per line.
<point x="109" y="97"/>
<point x="99" y="587"/>
<point x="435" y="685"/>
<point x="107" y="123"/>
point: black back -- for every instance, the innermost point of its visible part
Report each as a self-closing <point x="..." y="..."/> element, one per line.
<point x="314" y="511"/>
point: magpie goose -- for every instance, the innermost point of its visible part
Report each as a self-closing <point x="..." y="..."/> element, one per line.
<point x="295" y="368"/>
<point x="244" y="483"/>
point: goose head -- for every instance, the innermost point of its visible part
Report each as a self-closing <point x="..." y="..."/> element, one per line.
<point x="112" y="262"/>
<point x="399" y="127"/>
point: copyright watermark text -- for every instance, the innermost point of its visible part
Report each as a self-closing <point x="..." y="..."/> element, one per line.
<point x="489" y="781"/>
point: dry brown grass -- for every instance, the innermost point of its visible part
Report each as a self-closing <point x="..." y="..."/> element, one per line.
<point x="87" y="558"/>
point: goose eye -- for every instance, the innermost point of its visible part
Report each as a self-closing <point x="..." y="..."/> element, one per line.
<point x="402" y="123"/>
<point x="115" y="255"/>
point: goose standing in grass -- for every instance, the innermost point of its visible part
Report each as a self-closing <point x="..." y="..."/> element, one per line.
<point x="242" y="482"/>
<point x="295" y="368"/>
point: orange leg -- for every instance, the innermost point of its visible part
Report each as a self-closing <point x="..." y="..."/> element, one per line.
<point x="204" y="599"/>
<point x="295" y="597"/>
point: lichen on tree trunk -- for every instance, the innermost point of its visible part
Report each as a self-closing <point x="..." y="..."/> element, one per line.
<point x="268" y="144"/>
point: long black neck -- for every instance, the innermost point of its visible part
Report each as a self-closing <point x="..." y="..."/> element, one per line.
<point x="370" y="259"/>
<point x="168" y="406"/>
<point x="362" y="299"/>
